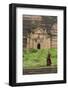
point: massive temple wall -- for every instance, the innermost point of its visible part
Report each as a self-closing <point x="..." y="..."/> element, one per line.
<point x="38" y="37"/>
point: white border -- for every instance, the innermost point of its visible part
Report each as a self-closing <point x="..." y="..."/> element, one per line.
<point x="19" y="35"/>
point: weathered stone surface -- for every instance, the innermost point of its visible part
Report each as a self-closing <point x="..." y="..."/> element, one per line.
<point x="38" y="37"/>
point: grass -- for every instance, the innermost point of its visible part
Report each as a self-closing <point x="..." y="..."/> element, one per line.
<point x="35" y="58"/>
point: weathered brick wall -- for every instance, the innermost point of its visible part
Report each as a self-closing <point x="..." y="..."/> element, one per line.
<point x="39" y="35"/>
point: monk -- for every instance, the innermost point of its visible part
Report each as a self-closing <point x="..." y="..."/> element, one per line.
<point x="49" y="59"/>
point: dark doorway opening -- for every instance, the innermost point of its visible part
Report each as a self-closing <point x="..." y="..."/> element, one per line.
<point x="38" y="46"/>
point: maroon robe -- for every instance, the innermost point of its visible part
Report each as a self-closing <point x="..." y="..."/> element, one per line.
<point x="49" y="59"/>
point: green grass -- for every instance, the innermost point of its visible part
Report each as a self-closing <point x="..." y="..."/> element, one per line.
<point x="35" y="58"/>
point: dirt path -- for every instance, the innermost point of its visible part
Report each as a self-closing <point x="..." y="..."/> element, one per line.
<point x="44" y="70"/>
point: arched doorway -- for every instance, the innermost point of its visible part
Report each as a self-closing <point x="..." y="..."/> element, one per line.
<point x="38" y="46"/>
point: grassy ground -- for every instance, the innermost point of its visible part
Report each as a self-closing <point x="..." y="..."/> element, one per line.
<point x="35" y="58"/>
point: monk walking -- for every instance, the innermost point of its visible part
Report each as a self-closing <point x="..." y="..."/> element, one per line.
<point x="49" y="59"/>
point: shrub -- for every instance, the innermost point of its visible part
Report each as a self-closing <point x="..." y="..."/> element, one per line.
<point x="33" y="50"/>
